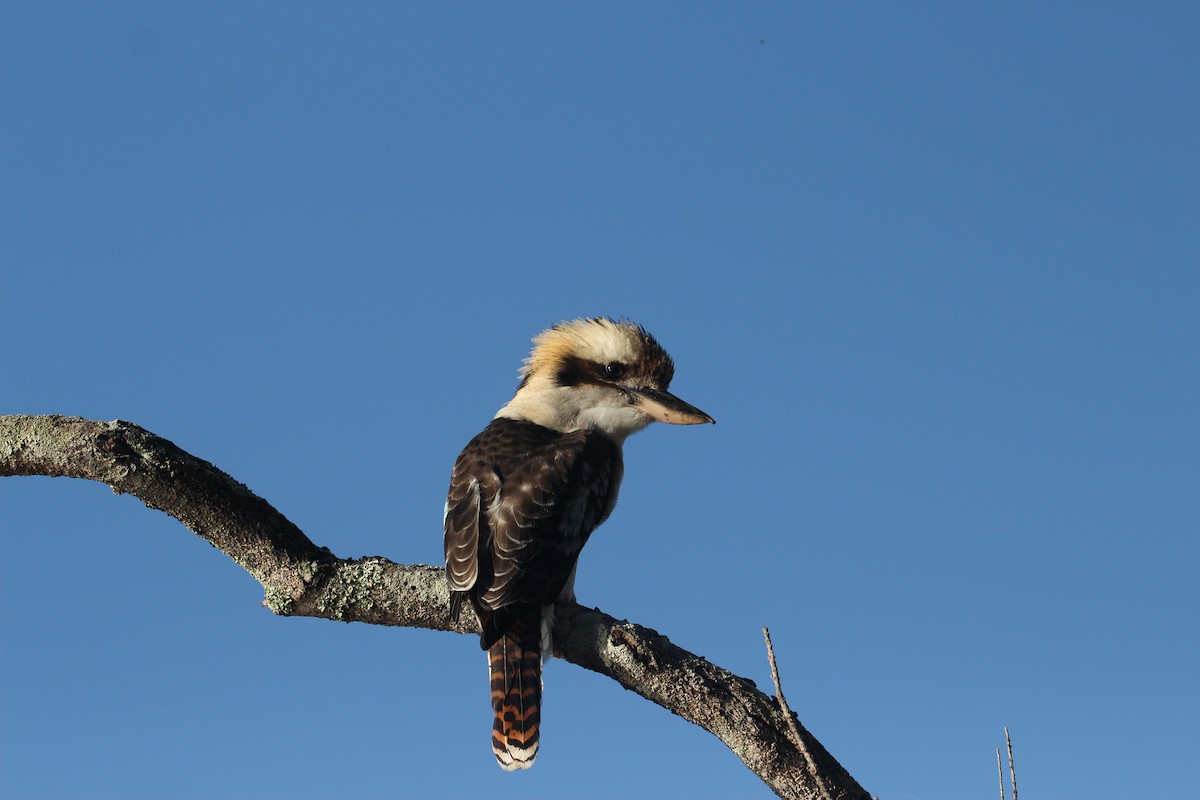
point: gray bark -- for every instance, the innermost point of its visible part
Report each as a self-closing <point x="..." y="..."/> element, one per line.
<point x="302" y="579"/>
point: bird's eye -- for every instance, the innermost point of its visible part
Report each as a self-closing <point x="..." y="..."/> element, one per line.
<point x="614" y="370"/>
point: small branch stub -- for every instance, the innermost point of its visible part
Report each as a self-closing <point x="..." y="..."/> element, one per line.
<point x="797" y="738"/>
<point x="1012" y="768"/>
<point x="1000" y="772"/>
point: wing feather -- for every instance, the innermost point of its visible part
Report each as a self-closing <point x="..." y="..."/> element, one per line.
<point x="462" y="532"/>
<point x="523" y="500"/>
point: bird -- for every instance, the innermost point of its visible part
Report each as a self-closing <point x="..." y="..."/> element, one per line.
<point x="527" y="492"/>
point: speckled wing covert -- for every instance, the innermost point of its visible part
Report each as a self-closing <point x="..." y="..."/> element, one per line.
<point x="523" y="500"/>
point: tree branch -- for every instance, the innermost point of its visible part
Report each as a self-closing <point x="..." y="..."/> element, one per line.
<point x="302" y="579"/>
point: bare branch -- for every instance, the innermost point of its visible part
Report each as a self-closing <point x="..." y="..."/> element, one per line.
<point x="792" y="721"/>
<point x="302" y="579"/>
<point x="1012" y="769"/>
<point x="1000" y="772"/>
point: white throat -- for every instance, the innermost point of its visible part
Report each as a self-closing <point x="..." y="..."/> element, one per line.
<point x="576" y="408"/>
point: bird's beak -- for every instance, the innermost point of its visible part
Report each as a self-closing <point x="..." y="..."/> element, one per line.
<point x="666" y="407"/>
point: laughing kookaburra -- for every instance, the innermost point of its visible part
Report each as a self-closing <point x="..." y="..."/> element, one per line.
<point x="527" y="492"/>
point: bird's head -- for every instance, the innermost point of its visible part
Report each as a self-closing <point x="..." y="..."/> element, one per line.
<point x="599" y="374"/>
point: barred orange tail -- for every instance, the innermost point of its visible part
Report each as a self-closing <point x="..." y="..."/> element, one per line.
<point x="515" y="663"/>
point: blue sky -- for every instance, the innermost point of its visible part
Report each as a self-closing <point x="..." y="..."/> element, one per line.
<point x="933" y="268"/>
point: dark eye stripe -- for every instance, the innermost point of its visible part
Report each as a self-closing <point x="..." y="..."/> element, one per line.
<point x="575" y="371"/>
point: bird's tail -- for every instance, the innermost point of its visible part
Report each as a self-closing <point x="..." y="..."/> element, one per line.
<point x="515" y="663"/>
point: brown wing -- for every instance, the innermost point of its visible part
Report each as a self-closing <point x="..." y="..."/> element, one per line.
<point x="461" y="525"/>
<point x="523" y="500"/>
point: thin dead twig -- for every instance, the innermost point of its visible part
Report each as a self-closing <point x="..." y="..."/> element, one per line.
<point x="1012" y="768"/>
<point x="791" y="719"/>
